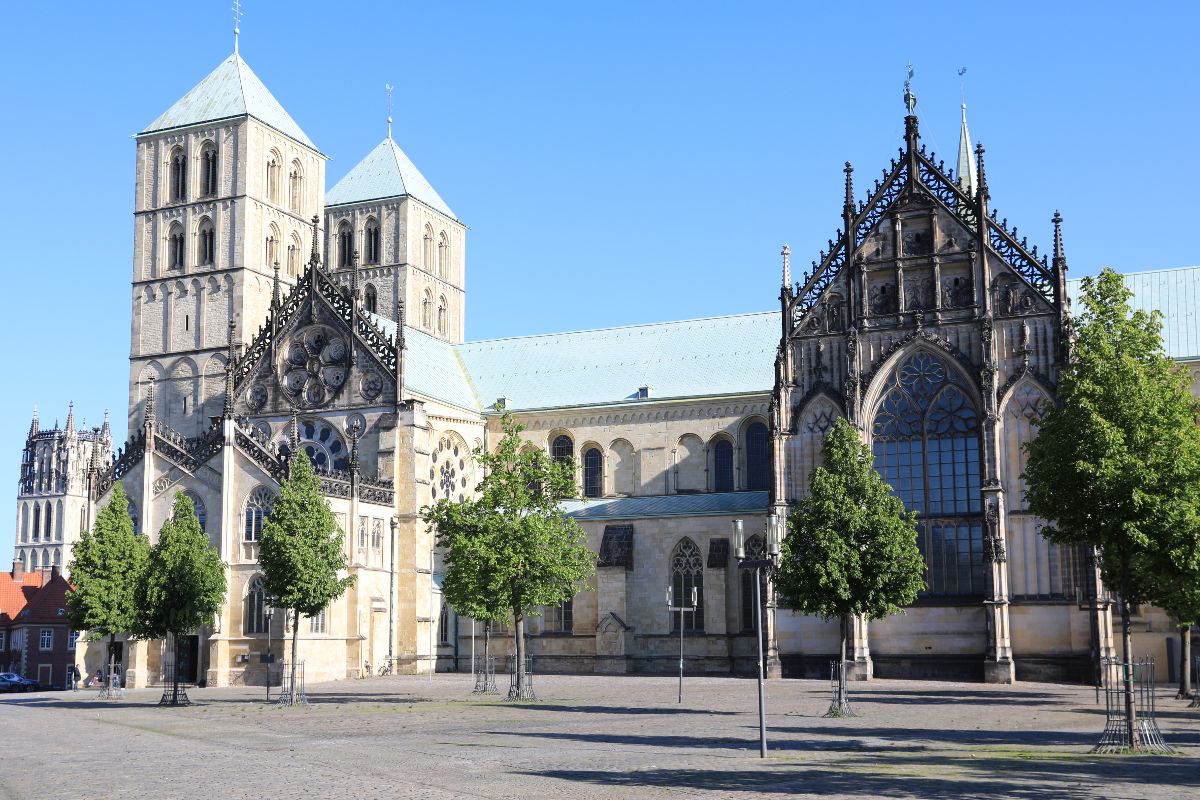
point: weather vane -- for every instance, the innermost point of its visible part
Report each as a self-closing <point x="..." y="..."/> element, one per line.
<point x="237" y="18"/>
<point x="962" y="84"/>
<point x="387" y="87"/>
<point x="910" y="99"/>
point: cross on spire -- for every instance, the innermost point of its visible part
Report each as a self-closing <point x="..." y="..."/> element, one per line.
<point x="237" y="18"/>
<point x="387" y="87"/>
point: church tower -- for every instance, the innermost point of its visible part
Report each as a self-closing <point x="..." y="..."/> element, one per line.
<point x="410" y="245"/>
<point x="226" y="184"/>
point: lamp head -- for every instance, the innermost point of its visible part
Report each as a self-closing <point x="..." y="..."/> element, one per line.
<point x="739" y="542"/>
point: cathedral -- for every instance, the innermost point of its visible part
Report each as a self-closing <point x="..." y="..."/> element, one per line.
<point x="270" y="314"/>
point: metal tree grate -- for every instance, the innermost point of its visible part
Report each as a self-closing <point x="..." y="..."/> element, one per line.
<point x="285" y="694"/>
<point x="172" y="696"/>
<point x="525" y="692"/>
<point x="839" y="705"/>
<point x="485" y="675"/>
<point x="111" y="689"/>
<point x="1115" y="738"/>
<point x="1195" y="688"/>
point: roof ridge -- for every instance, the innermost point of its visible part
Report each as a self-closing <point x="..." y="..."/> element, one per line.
<point x="662" y="323"/>
<point x="1134" y="272"/>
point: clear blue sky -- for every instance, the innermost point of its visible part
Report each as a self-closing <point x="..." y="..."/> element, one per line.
<point x="616" y="162"/>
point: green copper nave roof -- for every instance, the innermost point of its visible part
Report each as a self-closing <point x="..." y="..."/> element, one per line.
<point x="1174" y="292"/>
<point x="385" y="172"/>
<point x="230" y="90"/>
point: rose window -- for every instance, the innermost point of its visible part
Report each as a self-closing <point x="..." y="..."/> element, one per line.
<point x="313" y="365"/>
<point x="448" y="472"/>
<point x="322" y="444"/>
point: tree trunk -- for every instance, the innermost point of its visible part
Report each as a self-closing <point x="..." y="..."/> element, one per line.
<point x="112" y="660"/>
<point x="1185" y="662"/>
<point x="842" y="666"/>
<point x="175" y="673"/>
<point x="1130" y="711"/>
<point x="295" y="638"/>
<point x="487" y="638"/>
<point x="519" y="634"/>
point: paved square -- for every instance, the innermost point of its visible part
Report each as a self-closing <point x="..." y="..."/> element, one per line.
<point x="587" y="737"/>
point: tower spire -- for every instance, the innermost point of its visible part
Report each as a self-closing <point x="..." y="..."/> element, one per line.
<point x="70" y="418"/>
<point x="966" y="165"/>
<point x="387" y="87"/>
<point x="237" y="18"/>
<point x="33" y="426"/>
<point x="105" y="431"/>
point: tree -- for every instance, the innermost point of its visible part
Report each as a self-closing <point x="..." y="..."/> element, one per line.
<point x="106" y="566"/>
<point x="852" y="547"/>
<point x="183" y="585"/>
<point x="511" y="546"/>
<point x="301" y="551"/>
<point x="1179" y="596"/>
<point x="1116" y="463"/>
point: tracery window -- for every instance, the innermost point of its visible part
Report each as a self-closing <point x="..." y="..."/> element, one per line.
<point x="926" y="445"/>
<point x="593" y="472"/>
<point x="322" y="444"/>
<point x="198" y="505"/>
<point x="208" y="170"/>
<point x="37" y="522"/>
<point x="562" y="448"/>
<point x="258" y="508"/>
<point x="370" y="298"/>
<point x="254" y="619"/>
<point x="758" y="460"/>
<point x="756" y="547"/>
<point x="687" y="571"/>
<point x="449" y="470"/>
<point x="371" y="241"/>
<point x="133" y="517"/>
<point x="443" y="631"/>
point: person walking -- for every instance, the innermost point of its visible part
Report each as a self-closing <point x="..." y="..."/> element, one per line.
<point x="75" y="678"/>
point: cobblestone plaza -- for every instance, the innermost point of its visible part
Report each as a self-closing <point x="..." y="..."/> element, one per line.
<point x="587" y="737"/>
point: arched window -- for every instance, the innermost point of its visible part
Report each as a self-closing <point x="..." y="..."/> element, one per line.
<point x="272" y="248"/>
<point x="926" y="445"/>
<point x="345" y="243"/>
<point x="34" y="560"/>
<point x="687" y="571"/>
<point x="443" y="256"/>
<point x="443" y="632"/>
<point x="206" y="241"/>
<point x="758" y="458"/>
<point x="755" y="548"/>
<point x="370" y="298"/>
<point x="58" y="557"/>
<point x="208" y="170"/>
<point x="295" y="187"/>
<point x="134" y="518"/>
<point x="198" y="506"/>
<point x="175" y="247"/>
<point x="25" y="522"/>
<point x="293" y="259"/>
<point x="441" y="315"/>
<point x="427" y="249"/>
<point x="562" y="448"/>
<point x="593" y="472"/>
<point x="371" y="241"/>
<point x="258" y="508"/>
<point x="273" y="177"/>
<point x="323" y="445"/>
<point x="37" y="522"/>
<point x="255" y="618"/>
<point x="49" y="522"/>
<point x="723" y="466"/>
<point x="178" y="179"/>
<point x="427" y="311"/>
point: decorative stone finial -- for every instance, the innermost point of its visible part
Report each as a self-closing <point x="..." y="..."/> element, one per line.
<point x="980" y="172"/>
<point x="294" y="432"/>
<point x="849" y="170"/>
<point x="33" y="426"/>
<point x="1059" y="256"/>
<point x="275" y="287"/>
<point x="786" y="252"/>
<point x="230" y="359"/>
<point x="314" y="259"/>
<point x="148" y="413"/>
<point x="105" y="431"/>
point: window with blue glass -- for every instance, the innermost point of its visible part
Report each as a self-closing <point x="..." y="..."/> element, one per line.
<point x="758" y="458"/>
<point x="926" y="446"/>
<point x="593" y="472"/>
<point x="723" y="466"/>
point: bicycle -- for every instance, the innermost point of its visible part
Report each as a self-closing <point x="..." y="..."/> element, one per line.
<point x="386" y="669"/>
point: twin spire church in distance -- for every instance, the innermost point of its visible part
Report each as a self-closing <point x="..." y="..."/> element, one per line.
<point x="271" y="315"/>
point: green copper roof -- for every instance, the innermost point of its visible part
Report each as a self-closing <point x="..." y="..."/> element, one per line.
<point x="1174" y="292"/>
<point x="431" y="367"/>
<point x="672" y="505"/>
<point x="230" y="90"/>
<point x="385" y="172"/>
<point x="692" y="358"/>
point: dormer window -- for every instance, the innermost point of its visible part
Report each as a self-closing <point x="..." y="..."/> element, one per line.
<point x="178" y="179"/>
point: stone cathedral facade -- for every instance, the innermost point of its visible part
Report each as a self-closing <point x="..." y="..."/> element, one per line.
<point x="269" y="314"/>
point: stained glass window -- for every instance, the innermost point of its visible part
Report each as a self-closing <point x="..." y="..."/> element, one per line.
<point x="687" y="571"/>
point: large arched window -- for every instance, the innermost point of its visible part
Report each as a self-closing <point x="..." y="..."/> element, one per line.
<point x="273" y="177"/>
<point x="208" y="170"/>
<point x="254" y="620"/>
<point x="561" y="449"/>
<point x="371" y="241"/>
<point x="723" y="466"/>
<point x="178" y="179"/>
<point x="926" y="445"/>
<point x="345" y="245"/>
<point x="175" y="247"/>
<point x="593" y="472"/>
<point x="323" y="445"/>
<point x="443" y="256"/>
<point x="756" y="547"/>
<point x="258" y="508"/>
<point x="687" y="571"/>
<point x="441" y="315"/>
<point x="370" y="299"/>
<point x="206" y="241"/>
<point x="758" y="458"/>
<point x="295" y="187"/>
<point x="198" y="506"/>
<point x="134" y="518"/>
<point x="49" y="522"/>
<point x="427" y="249"/>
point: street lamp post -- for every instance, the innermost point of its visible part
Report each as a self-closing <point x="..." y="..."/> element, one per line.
<point x="671" y="607"/>
<point x="769" y="560"/>
<point x="270" y="612"/>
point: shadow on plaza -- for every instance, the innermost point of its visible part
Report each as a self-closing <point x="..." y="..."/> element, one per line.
<point x="675" y="710"/>
<point x="747" y="742"/>
<point x="929" y="778"/>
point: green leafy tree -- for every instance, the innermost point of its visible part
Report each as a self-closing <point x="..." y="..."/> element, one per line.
<point x="511" y="547"/>
<point x="183" y="585"/>
<point x="1179" y="596"/>
<point x="852" y="547"/>
<point x="1116" y="463"/>
<point x="106" y="565"/>
<point x="301" y="551"/>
